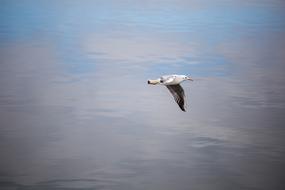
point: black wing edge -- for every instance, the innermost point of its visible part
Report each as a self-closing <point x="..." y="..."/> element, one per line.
<point x="178" y="94"/>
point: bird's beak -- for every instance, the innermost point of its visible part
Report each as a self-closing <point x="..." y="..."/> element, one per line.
<point x="153" y="82"/>
<point x="189" y="78"/>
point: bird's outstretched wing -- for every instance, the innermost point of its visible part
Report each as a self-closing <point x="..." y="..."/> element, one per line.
<point x="178" y="94"/>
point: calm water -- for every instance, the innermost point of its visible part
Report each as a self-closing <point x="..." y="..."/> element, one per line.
<point x="76" y="112"/>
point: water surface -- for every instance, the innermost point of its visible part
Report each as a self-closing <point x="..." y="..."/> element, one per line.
<point x="76" y="112"/>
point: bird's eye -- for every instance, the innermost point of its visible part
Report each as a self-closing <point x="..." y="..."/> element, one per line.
<point x="161" y="81"/>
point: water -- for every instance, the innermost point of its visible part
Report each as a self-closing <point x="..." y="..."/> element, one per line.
<point x="76" y="112"/>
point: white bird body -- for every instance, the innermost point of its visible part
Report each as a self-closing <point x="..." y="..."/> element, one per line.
<point x="172" y="82"/>
<point x="172" y="79"/>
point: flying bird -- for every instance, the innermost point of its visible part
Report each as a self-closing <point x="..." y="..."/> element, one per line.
<point x="172" y="82"/>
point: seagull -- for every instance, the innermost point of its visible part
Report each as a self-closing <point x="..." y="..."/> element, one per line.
<point x="172" y="82"/>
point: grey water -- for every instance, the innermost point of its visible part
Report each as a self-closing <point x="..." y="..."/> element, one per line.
<point x="76" y="111"/>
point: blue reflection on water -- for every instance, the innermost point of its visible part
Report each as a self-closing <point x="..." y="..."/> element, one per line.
<point x="65" y="22"/>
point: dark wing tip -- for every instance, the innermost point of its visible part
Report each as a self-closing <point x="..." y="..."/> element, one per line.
<point x="181" y="105"/>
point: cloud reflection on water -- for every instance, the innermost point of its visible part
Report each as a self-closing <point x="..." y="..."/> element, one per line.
<point x="106" y="128"/>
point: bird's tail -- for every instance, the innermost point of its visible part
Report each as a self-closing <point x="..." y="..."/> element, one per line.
<point x="153" y="82"/>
